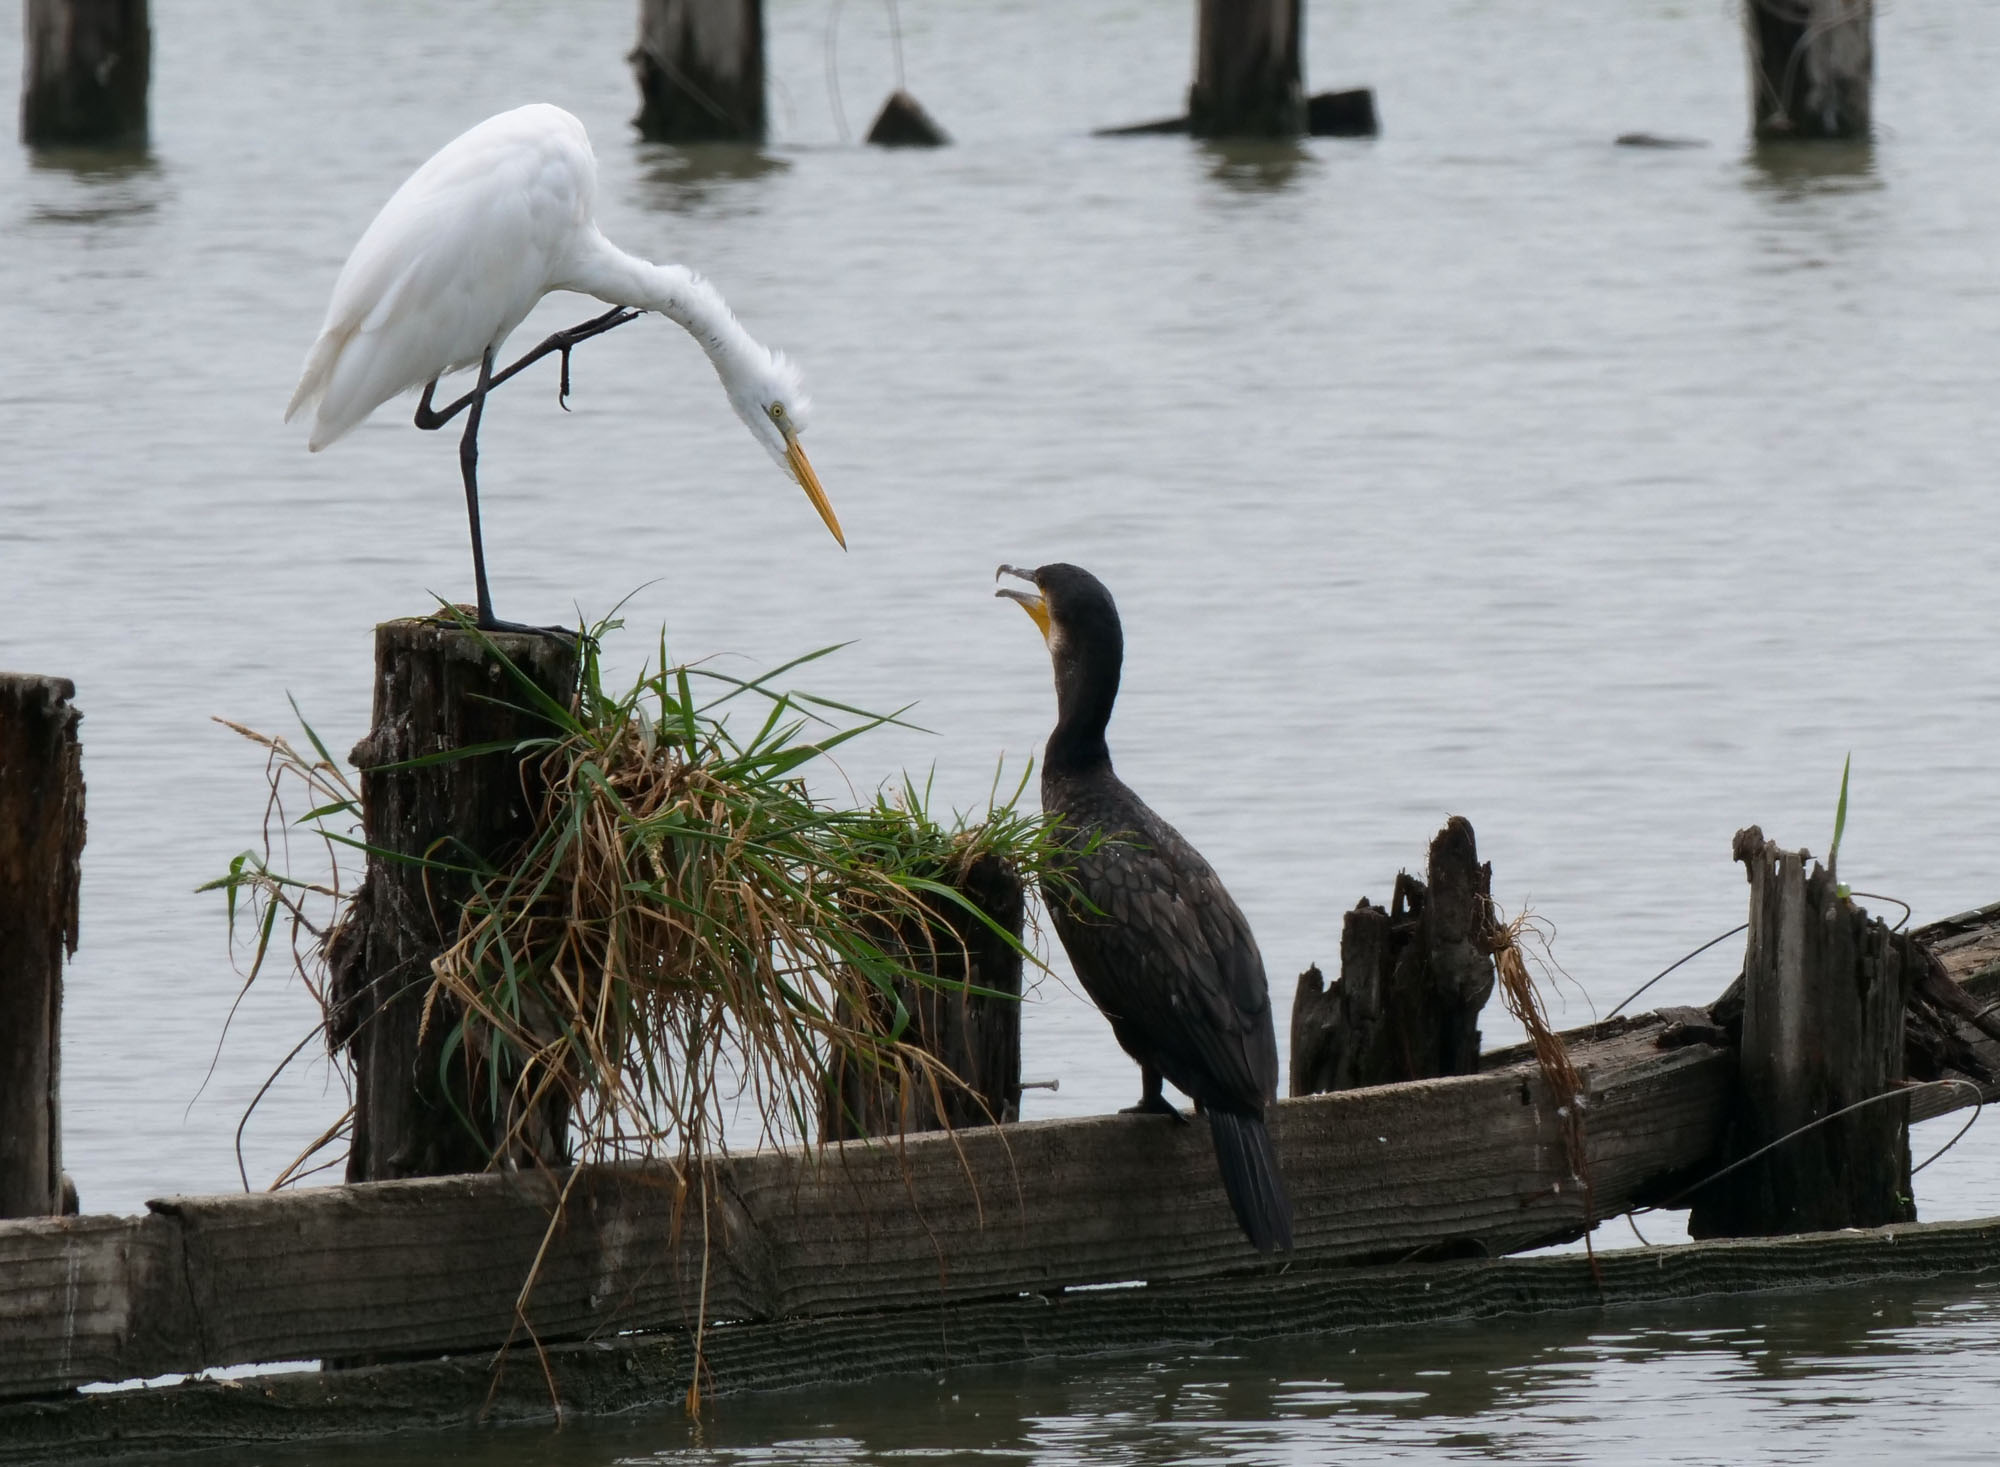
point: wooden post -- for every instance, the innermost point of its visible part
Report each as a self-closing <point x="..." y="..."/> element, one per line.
<point x="437" y="688"/>
<point x="700" y="67"/>
<point x="85" y="67"/>
<point x="1812" y="68"/>
<point x="1412" y="980"/>
<point x="1824" y="987"/>
<point x="41" y="845"/>
<point x="1247" y="80"/>
<point x="977" y="1037"/>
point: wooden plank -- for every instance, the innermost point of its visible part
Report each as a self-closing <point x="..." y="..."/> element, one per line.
<point x="653" y="1370"/>
<point x="91" y="1298"/>
<point x="1461" y="1165"/>
<point x="1471" y="1164"/>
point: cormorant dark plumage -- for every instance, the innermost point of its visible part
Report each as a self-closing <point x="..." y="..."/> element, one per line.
<point x="1156" y="940"/>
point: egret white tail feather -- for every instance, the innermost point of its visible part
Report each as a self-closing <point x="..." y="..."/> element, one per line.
<point x="496" y="219"/>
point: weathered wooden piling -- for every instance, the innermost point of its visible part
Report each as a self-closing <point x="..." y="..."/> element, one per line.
<point x="700" y="68"/>
<point x="1247" y="78"/>
<point x="438" y="688"/>
<point x="85" y="69"/>
<point x="1812" y="68"/>
<point x="1824" y="989"/>
<point x="1412" y="980"/>
<point x="41" y="846"/>
<point x="976" y="1036"/>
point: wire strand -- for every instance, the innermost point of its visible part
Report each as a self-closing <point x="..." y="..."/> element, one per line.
<point x="1740" y="927"/>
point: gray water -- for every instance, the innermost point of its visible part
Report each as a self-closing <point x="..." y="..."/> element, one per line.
<point x="1608" y="497"/>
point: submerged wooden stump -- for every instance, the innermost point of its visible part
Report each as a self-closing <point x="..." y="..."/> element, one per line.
<point x="976" y="1036"/>
<point x="1812" y="68"/>
<point x="903" y="123"/>
<point x="1824" y="990"/>
<point x="700" y="68"/>
<point x="41" y="847"/>
<point x="437" y="688"/>
<point x="1247" y="78"/>
<point x="85" y="68"/>
<point x="1412" y="980"/>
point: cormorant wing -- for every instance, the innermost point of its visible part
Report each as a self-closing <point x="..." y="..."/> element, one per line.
<point x="1172" y="962"/>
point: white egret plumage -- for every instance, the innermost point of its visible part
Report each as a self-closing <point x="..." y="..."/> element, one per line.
<point x="498" y="218"/>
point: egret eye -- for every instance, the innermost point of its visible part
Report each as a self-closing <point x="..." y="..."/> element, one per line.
<point x="777" y="412"/>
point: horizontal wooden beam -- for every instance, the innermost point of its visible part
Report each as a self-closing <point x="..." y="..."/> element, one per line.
<point x="635" y="1371"/>
<point x="1469" y="1165"/>
<point x="1472" y="1165"/>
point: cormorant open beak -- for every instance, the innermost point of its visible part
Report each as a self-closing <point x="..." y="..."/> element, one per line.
<point x="802" y="470"/>
<point x="1032" y="602"/>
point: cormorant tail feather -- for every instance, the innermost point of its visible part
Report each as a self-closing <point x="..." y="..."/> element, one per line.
<point x="1250" y="1176"/>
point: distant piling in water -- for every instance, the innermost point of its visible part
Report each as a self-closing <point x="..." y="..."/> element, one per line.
<point x="41" y="848"/>
<point x="700" y="69"/>
<point x="86" y="66"/>
<point x="1249" y="80"/>
<point x="1812" y="68"/>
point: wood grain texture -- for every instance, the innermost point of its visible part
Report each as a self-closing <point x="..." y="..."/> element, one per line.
<point x="1413" y="980"/>
<point x="637" y="1371"/>
<point x="41" y="849"/>
<point x="884" y="1242"/>
<point x="1825" y="989"/>
<point x="1470" y="1165"/>
<point x="438" y="688"/>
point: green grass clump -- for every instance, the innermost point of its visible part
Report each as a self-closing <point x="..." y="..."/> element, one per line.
<point x="693" y="941"/>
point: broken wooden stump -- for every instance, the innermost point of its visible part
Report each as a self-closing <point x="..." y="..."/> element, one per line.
<point x="438" y="688"/>
<point x="85" y="68"/>
<point x="1412" y="980"/>
<point x="1812" y="68"/>
<point x="41" y="847"/>
<point x="903" y="123"/>
<point x="700" y="69"/>
<point x="976" y="1036"/>
<point x="1823" y="999"/>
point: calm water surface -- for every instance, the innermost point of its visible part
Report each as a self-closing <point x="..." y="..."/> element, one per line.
<point x="1608" y="497"/>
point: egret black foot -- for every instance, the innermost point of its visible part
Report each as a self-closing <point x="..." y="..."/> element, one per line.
<point x="1155" y="1105"/>
<point x="561" y="634"/>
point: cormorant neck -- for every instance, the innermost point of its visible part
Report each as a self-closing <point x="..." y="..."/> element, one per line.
<point x="1086" y="689"/>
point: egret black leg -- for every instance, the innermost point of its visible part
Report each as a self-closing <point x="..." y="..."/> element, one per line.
<point x="563" y="341"/>
<point x="1151" y="1101"/>
<point x="468" y="467"/>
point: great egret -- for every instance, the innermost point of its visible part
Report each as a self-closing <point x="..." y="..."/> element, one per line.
<point x="1155" y="938"/>
<point x="498" y="218"/>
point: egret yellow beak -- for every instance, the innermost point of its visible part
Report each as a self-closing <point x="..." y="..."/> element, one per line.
<point x="1031" y="602"/>
<point x="802" y="470"/>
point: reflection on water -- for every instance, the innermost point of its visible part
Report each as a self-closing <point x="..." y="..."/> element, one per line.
<point x="93" y="186"/>
<point x="1844" y="1376"/>
<point x="673" y="179"/>
<point x="1798" y="170"/>
<point x="1256" y="166"/>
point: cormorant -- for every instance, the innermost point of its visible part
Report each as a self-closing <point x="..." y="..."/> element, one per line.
<point x="1155" y="939"/>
